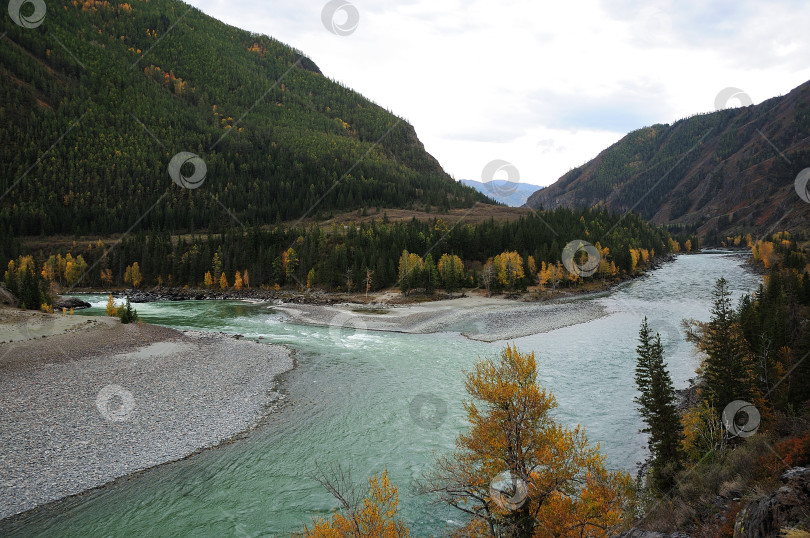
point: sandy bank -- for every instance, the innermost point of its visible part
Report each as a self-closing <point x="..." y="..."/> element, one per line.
<point x="487" y="319"/>
<point x="95" y="400"/>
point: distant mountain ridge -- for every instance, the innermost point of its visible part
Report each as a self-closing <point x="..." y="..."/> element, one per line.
<point x="503" y="191"/>
<point x="115" y="90"/>
<point x="731" y="171"/>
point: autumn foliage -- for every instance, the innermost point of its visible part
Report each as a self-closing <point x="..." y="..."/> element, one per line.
<point x="562" y="487"/>
<point x="793" y="451"/>
<point x="375" y="517"/>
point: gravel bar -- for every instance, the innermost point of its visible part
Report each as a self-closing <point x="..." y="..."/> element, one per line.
<point x="82" y="408"/>
<point x="477" y="318"/>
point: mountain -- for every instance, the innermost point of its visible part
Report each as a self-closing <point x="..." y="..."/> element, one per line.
<point x="100" y="97"/>
<point x="503" y="191"/>
<point x="726" y="172"/>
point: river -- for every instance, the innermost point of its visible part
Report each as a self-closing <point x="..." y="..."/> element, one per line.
<point x="372" y="401"/>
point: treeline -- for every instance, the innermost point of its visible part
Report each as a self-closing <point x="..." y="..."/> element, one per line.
<point x="303" y="142"/>
<point x="365" y="256"/>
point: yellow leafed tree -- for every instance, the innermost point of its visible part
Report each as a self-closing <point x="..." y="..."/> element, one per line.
<point x="764" y="252"/>
<point x="132" y="275"/>
<point x="223" y="281"/>
<point x="311" y="278"/>
<point x="237" y="281"/>
<point x="451" y="271"/>
<point x="50" y="269"/>
<point x="112" y="308"/>
<point x="74" y="269"/>
<point x="289" y="262"/>
<point x="674" y="246"/>
<point x="517" y="472"/>
<point x="557" y="274"/>
<point x="375" y="517"/>
<point x="544" y="275"/>
<point x="509" y="267"/>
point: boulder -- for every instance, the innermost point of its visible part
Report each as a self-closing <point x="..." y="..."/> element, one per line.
<point x="7" y="298"/>
<point x="138" y="296"/>
<point x="70" y="302"/>
<point x="787" y="506"/>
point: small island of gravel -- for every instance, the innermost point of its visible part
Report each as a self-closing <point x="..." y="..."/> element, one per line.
<point x="88" y="400"/>
<point x="486" y="319"/>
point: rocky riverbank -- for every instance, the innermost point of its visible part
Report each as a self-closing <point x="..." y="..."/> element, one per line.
<point x="92" y="400"/>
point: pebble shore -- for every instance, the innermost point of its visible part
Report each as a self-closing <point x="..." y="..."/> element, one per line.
<point x="80" y="410"/>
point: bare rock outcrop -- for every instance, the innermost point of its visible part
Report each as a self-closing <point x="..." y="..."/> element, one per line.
<point x="786" y="507"/>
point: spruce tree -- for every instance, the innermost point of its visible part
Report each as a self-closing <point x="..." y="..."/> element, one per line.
<point x="127" y="314"/>
<point x="666" y="431"/>
<point x="729" y="370"/>
<point x="657" y="406"/>
<point x="644" y="353"/>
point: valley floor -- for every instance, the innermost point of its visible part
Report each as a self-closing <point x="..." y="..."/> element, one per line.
<point x="88" y="400"/>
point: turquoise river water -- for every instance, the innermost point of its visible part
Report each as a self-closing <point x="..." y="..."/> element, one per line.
<point x="372" y="401"/>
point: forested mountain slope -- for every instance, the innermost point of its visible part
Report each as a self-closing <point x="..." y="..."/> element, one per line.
<point x="730" y="171"/>
<point x="97" y="100"/>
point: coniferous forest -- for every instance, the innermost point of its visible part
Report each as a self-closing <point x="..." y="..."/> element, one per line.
<point x="342" y="257"/>
<point x="94" y="111"/>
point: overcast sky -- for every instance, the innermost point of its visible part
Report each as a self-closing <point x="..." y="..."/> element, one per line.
<point x="543" y="85"/>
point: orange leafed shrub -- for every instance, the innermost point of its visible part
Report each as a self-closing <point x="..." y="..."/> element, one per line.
<point x="788" y="453"/>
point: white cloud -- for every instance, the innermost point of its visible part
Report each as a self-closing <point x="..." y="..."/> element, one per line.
<point x="485" y="79"/>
